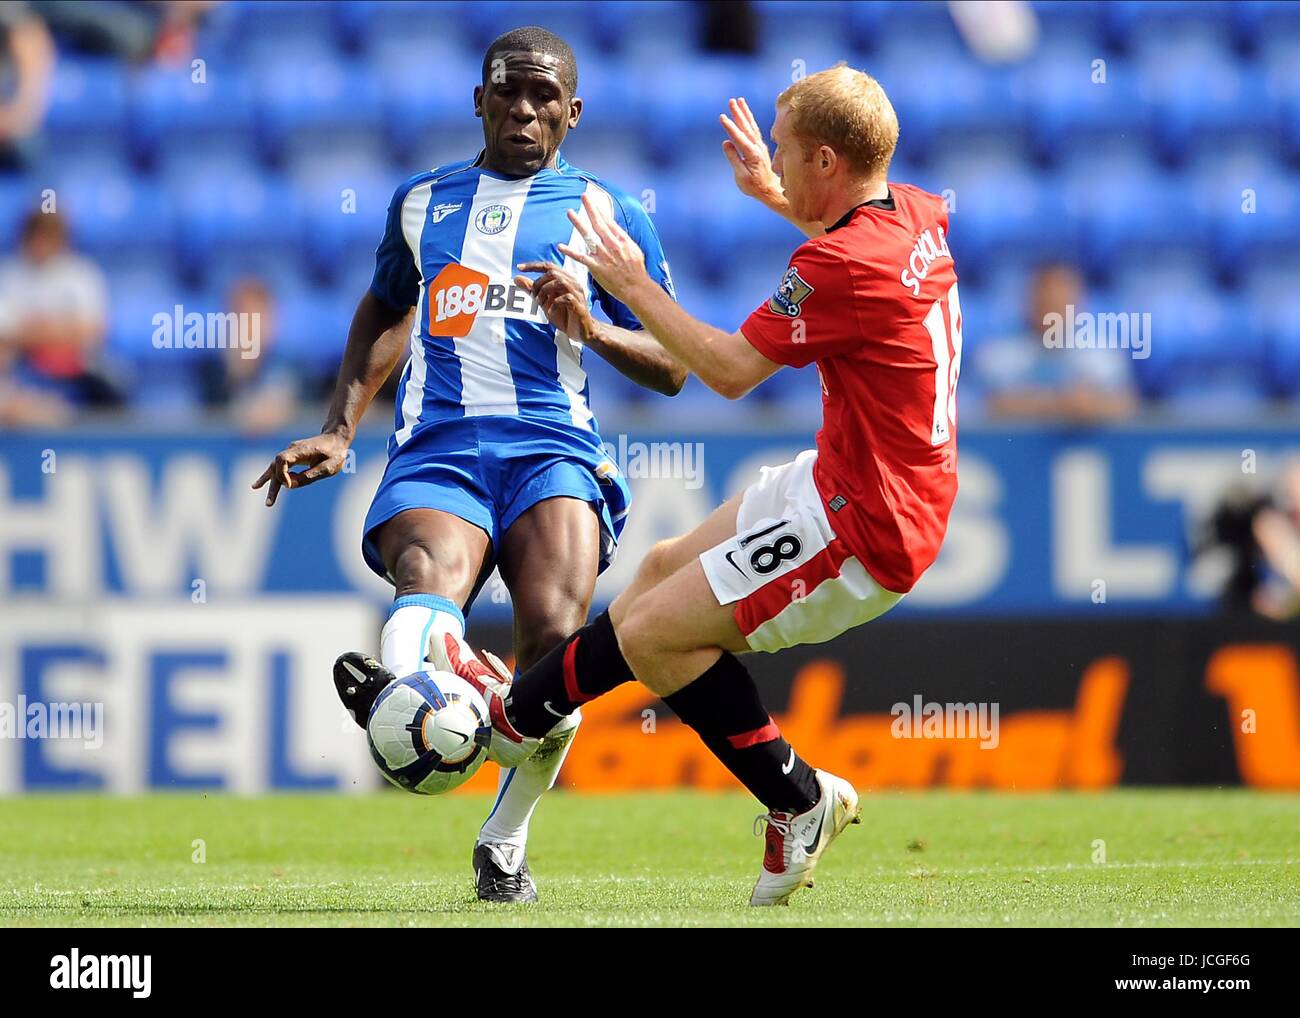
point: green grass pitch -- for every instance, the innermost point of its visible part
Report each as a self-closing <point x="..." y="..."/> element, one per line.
<point x="1172" y="858"/>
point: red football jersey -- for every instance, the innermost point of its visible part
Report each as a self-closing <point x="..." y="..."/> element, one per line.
<point x="873" y="303"/>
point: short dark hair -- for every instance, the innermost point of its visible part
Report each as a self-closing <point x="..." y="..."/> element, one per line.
<point x="534" y="39"/>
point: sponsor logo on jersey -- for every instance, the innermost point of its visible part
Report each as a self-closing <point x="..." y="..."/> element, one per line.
<point x="441" y="212"/>
<point x="458" y="295"/>
<point x="790" y="295"/>
<point x="492" y="219"/>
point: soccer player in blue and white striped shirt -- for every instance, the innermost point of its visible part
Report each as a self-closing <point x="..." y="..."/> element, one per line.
<point x="495" y="457"/>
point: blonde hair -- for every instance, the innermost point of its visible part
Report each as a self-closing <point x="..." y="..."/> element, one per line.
<point x="847" y="111"/>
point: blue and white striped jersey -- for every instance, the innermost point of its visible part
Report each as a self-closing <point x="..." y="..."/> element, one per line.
<point x="480" y="345"/>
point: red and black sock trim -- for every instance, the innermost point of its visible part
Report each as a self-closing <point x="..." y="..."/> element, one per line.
<point x="586" y="665"/>
<point x="724" y="708"/>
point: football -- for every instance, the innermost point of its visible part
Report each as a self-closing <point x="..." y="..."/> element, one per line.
<point x="427" y="732"/>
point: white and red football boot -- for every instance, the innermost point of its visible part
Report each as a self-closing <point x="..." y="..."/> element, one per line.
<point x="795" y="843"/>
<point x="491" y="678"/>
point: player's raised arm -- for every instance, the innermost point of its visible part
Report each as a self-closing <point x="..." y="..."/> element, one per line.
<point x="726" y="362"/>
<point x="375" y="342"/>
<point x="751" y="164"/>
<point x="634" y="352"/>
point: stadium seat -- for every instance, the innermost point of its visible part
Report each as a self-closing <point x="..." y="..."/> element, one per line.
<point x="312" y="325"/>
<point x="345" y="200"/>
<point x="1251" y="202"/>
<point x="169" y="107"/>
<point x="109" y="215"/>
<point x="18" y="197"/>
<point x="1227" y="100"/>
<point x="680" y="114"/>
<point x="1124" y="206"/>
<point x="1123" y="23"/>
<point x="940" y="92"/>
<point x="1072" y="95"/>
<point x="309" y="96"/>
<point x="88" y="96"/>
<point x="869" y="24"/>
<point x="1278" y="323"/>
<point x="240" y="214"/>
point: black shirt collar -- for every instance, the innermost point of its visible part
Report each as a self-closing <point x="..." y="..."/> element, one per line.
<point x="887" y="202"/>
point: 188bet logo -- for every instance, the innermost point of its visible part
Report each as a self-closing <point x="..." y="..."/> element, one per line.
<point x="455" y="298"/>
<point x="458" y="294"/>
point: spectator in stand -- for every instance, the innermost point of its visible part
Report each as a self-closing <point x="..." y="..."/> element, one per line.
<point x="26" y="65"/>
<point x="53" y="312"/>
<point x="161" y="30"/>
<point x="258" y="390"/>
<point x="1028" y="380"/>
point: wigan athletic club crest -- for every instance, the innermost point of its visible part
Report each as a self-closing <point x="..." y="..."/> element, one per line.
<point x="493" y="219"/>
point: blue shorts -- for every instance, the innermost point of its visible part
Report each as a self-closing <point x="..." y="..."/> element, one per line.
<point x="489" y="471"/>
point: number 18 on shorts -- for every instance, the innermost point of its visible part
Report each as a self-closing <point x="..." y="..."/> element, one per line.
<point x="790" y="577"/>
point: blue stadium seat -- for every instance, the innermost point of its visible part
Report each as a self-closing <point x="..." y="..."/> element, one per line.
<point x="362" y="23"/>
<point x="237" y="214"/>
<point x="680" y="113"/>
<point x="801" y="30"/>
<point x="314" y="98"/>
<point x="1250" y="200"/>
<point x="1136" y="20"/>
<point x="1124" y="206"/>
<point x="1278" y="320"/>
<point x="112" y="214"/>
<point x="1077" y="20"/>
<point x="1260" y="21"/>
<point x="422" y="87"/>
<point x="87" y="96"/>
<point x="577" y="23"/>
<point x="171" y="109"/>
<point x="312" y="326"/>
<point x="18" y="197"/>
<point x="1071" y="98"/>
<point x="1200" y="337"/>
<point x="869" y="24"/>
<point x="1227" y="100"/>
<point x="940" y="92"/>
<point x="726" y="226"/>
<point x="345" y="200"/>
<point x="136" y="299"/>
<point x="72" y="156"/>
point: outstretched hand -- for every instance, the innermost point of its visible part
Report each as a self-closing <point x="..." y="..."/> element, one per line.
<point x="324" y="456"/>
<point x="746" y="151"/>
<point x="607" y="251"/>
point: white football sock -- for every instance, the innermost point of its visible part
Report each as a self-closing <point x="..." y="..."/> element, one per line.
<point x="413" y="621"/>
<point x="520" y="788"/>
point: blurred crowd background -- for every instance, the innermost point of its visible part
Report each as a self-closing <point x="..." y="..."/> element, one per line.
<point x="1123" y="157"/>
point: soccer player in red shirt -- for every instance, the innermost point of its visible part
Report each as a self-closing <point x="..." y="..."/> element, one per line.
<point x="815" y="546"/>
